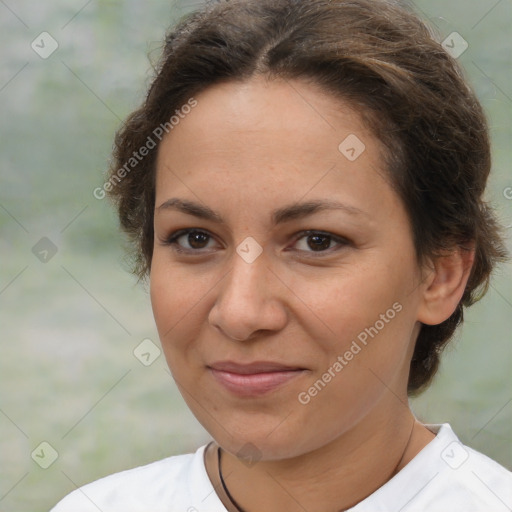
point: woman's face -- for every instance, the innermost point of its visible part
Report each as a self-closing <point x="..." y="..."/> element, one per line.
<point x="288" y="314"/>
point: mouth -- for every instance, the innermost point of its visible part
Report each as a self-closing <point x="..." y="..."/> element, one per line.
<point x="253" y="379"/>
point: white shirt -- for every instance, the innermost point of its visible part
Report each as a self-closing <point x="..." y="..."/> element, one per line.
<point x="445" y="476"/>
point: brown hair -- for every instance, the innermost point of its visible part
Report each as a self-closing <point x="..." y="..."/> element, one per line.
<point x="384" y="61"/>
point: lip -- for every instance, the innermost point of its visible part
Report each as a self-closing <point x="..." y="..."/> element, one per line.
<point x="253" y="379"/>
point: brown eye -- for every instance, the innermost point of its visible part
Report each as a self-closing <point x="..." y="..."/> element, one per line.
<point x="316" y="241"/>
<point x="189" y="240"/>
<point x="197" y="239"/>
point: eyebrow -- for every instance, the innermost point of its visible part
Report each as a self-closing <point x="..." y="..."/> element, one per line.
<point x="281" y="215"/>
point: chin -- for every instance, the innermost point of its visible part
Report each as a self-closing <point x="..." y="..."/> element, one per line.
<point x="255" y="443"/>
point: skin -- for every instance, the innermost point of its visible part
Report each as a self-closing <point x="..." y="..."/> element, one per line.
<point x="246" y="149"/>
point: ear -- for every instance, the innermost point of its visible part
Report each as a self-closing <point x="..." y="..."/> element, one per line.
<point x="444" y="285"/>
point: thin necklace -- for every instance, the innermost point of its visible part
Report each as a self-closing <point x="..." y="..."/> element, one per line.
<point x="240" y="509"/>
<point x="228" y="494"/>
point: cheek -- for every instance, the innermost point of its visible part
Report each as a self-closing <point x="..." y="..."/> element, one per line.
<point x="366" y="318"/>
<point x="363" y="365"/>
<point x="345" y="305"/>
<point x="174" y="298"/>
<point x="181" y="299"/>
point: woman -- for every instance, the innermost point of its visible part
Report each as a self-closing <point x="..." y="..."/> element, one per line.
<point x="303" y="186"/>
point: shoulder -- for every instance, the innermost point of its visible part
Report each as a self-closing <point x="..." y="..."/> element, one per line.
<point x="474" y="480"/>
<point x="445" y="475"/>
<point x="459" y="477"/>
<point x="174" y="482"/>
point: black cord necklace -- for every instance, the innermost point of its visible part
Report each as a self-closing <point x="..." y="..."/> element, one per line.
<point x="233" y="502"/>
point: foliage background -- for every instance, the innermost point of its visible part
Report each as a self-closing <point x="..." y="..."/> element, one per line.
<point x="69" y="326"/>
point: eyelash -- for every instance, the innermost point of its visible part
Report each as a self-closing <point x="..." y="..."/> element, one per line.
<point x="172" y="241"/>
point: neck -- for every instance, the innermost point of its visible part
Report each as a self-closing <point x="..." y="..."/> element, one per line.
<point x="332" y="478"/>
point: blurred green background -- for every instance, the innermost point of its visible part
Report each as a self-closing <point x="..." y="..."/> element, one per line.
<point x="70" y="325"/>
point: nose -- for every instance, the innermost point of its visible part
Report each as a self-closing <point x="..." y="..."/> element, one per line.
<point x="250" y="301"/>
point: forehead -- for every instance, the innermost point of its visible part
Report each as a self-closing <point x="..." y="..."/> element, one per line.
<point x="277" y="141"/>
<point x="296" y="108"/>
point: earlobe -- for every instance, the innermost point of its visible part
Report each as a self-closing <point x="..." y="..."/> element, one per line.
<point x="445" y="285"/>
